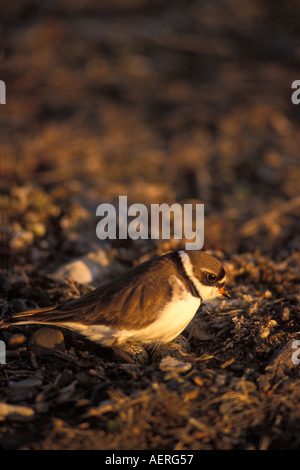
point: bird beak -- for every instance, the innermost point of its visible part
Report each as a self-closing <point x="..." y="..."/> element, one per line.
<point x="224" y="292"/>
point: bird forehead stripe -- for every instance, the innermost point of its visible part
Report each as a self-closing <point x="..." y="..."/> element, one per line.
<point x="187" y="265"/>
<point x="186" y="262"/>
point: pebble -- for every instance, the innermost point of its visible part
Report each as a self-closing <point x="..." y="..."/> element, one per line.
<point x="264" y="332"/>
<point x="30" y="382"/>
<point x="171" y="364"/>
<point x="87" y="269"/>
<point x="267" y="294"/>
<point x="16" y="340"/>
<point x="46" y="340"/>
<point x="285" y="314"/>
<point x="15" y="412"/>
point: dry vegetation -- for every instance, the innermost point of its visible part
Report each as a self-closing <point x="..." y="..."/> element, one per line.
<point x="162" y="102"/>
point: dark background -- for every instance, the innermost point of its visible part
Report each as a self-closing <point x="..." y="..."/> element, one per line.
<point x="173" y="101"/>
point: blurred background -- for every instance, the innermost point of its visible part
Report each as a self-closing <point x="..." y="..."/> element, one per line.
<point x="168" y="101"/>
<point x="160" y="101"/>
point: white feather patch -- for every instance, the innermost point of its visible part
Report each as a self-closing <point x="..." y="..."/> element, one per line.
<point x="170" y="322"/>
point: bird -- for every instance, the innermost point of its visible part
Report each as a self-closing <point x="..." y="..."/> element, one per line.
<point x="150" y="304"/>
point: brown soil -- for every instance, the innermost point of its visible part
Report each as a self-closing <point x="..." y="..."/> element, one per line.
<point x="162" y="102"/>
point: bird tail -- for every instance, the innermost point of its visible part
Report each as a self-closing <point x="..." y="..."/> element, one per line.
<point x="39" y="315"/>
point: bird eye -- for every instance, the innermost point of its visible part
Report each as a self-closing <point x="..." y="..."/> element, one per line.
<point x="211" y="277"/>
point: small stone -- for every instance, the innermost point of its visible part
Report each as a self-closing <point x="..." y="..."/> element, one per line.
<point x="16" y="340"/>
<point x="285" y="314"/>
<point x="15" y="412"/>
<point x="264" y="332"/>
<point x="30" y="382"/>
<point x="171" y="364"/>
<point x="89" y="268"/>
<point x="267" y="294"/>
<point x="46" y="340"/>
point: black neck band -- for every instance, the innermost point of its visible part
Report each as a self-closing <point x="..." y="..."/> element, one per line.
<point x="176" y="258"/>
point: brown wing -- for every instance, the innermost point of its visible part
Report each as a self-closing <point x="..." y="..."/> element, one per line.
<point x="121" y="302"/>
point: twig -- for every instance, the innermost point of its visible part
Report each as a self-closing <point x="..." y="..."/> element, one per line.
<point x="252" y="226"/>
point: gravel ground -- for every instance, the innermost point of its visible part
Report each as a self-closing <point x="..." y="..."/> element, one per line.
<point x="170" y="101"/>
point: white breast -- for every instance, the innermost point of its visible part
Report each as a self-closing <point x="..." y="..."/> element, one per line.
<point x="171" y="320"/>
